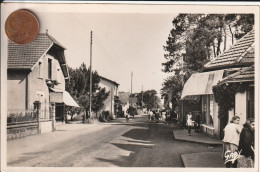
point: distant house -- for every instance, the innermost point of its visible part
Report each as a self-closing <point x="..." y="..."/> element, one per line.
<point x="234" y="65"/>
<point x="112" y="87"/>
<point x="36" y="75"/>
<point x="124" y="98"/>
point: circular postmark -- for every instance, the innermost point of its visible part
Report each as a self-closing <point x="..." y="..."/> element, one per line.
<point x="22" y="27"/>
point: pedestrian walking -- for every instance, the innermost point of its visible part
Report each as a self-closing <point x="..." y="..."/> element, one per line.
<point x="246" y="145"/>
<point x="127" y="116"/>
<point x="150" y="115"/>
<point x="231" y="142"/>
<point x="163" y="116"/>
<point x="189" y="122"/>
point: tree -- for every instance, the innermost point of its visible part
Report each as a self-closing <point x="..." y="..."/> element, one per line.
<point x="79" y="88"/>
<point x="193" y="41"/>
<point x="171" y="91"/>
<point x="132" y="111"/>
<point x="118" y="106"/>
<point x="150" y="99"/>
<point x="197" y="38"/>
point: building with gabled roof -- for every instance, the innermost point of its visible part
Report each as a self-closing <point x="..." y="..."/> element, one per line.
<point x="234" y="65"/>
<point x="36" y="74"/>
<point x="112" y="87"/>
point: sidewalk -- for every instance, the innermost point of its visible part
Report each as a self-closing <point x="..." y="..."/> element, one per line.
<point x="202" y="159"/>
<point x="181" y="134"/>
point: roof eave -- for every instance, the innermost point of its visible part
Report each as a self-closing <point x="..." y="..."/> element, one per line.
<point x="227" y="66"/>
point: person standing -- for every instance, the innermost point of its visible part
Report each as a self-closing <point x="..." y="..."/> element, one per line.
<point x="197" y="120"/>
<point x="163" y="116"/>
<point x="246" y="145"/>
<point x="127" y="116"/>
<point x="189" y="122"/>
<point x="151" y="115"/>
<point x="231" y="140"/>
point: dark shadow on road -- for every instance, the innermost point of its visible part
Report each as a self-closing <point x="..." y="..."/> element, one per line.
<point x="156" y="141"/>
<point x="122" y="161"/>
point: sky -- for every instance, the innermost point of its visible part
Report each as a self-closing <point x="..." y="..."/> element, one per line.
<point x="126" y="38"/>
<point x="122" y="43"/>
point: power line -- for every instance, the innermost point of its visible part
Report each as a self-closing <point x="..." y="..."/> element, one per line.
<point x="84" y="25"/>
<point x="79" y="25"/>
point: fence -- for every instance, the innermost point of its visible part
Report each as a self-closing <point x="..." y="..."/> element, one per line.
<point x="24" y="122"/>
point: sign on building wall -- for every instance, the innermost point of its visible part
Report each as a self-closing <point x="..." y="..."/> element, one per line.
<point x="56" y="97"/>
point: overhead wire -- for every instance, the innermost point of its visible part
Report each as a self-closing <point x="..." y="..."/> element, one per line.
<point x="84" y="30"/>
<point x="84" y="25"/>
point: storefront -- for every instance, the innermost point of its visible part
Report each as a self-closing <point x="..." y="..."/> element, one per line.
<point x="244" y="105"/>
<point x="61" y="98"/>
<point x="198" y="89"/>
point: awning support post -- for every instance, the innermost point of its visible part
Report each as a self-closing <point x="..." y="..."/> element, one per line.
<point x="53" y="109"/>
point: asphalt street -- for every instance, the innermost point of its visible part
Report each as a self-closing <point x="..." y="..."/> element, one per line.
<point x="139" y="143"/>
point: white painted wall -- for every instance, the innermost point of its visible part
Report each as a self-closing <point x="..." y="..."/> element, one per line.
<point x="240" y="106"/>
<point x="215" y="117"/>
<point x="109" y="102"/>
<point x="230" y="115"/>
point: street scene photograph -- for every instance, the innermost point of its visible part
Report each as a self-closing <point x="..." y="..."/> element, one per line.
<point x="116" y="85"/>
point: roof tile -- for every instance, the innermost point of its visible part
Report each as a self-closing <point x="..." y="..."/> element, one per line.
<point x="246" y="74"/>
<point x="232" y="56"/>
<point x="25" y="56"/>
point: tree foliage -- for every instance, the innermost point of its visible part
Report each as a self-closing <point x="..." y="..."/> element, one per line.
<point x="171" y="91"/>
<point x="197" y="38"/>
<point x="78" y="86"/>
<point x="225" y="96"/>
<point x="193" y="41"/>
<point x="118" y="106"/>
<point x="150" y="99"/>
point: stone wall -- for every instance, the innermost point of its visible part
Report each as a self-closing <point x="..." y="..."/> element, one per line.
<point x="22" y="130"/>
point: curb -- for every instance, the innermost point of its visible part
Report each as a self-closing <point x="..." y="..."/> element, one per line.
<point x="194" y="160"/>
<point x="193" y="141"/>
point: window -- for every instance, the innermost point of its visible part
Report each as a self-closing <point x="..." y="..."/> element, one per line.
<point x="49" y="69"/>
<point x="207" y="110"/>
<point x="40" y="68"/>
<point x="250" y="102"/>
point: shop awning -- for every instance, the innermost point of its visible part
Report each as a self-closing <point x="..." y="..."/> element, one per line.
<point x="62" y="96"/>
<point x="201" y="84"/>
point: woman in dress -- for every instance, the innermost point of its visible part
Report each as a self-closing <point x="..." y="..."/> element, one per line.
<point x="231" y="140"/>
<point x="189" y="122"/>
<point x="246" y="145"/>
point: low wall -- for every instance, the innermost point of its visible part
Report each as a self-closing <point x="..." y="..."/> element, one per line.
<point x="21" y="130"/>
<point x="208" y="130"/>
<point x="46" y="126"/>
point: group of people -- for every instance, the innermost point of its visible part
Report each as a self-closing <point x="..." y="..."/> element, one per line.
<point x="157" y="115"/>
<point x="193" y="120"/>
<point x="238" y="142"/>
<point x="238" y="147"/>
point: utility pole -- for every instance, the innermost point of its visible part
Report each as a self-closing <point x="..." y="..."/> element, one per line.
<point x="182" y="81"/>
<point x="90" y="69"/>
<point x="142" y="99"/>
<point x="131" y="88"/>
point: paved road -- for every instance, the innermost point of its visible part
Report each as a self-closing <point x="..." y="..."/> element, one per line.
<point x="138" y="143"/>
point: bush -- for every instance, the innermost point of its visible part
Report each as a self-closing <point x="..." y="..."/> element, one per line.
<point x="132" y="111"/>
<point x="21" y="116"/>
